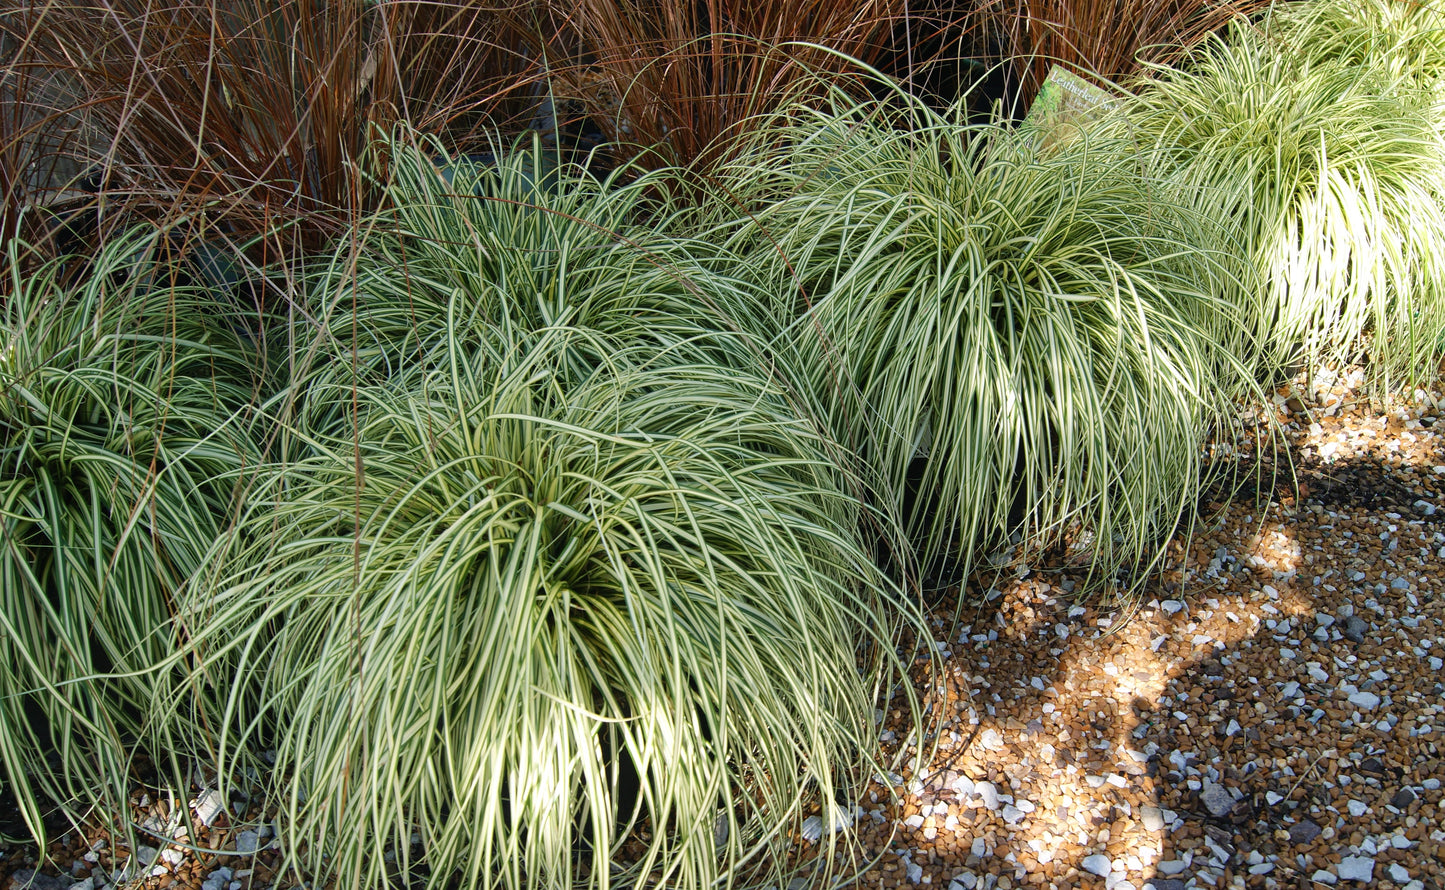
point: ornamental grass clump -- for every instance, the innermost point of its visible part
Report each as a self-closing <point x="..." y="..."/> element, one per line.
<point x="464" y="623"/>
<point x="1016" y="340"/>
<point x="1404" y="36"/>
<point x="1328" y="174"/>
<point x="519" y="242"/>
<point x="122" y="444"/>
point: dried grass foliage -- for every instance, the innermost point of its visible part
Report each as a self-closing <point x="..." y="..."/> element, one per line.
<point x="256" y="112"/>
<point x="683" y="77"/>
<point x="1107" y="38"/>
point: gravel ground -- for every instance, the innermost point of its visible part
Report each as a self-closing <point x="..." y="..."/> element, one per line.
<point x="1272" y="715"/>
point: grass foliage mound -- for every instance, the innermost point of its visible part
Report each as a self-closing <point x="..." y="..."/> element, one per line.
<point x="470" y="250"/>
<point x="551" y="587"/>
<point x="121" y="436"/>
<point x="1322" y="158"/>
<point x="1009" y="342"/>
<point x="514" y="585"/>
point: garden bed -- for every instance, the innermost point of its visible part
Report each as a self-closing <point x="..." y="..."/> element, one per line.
<point x="1270" y="715"/>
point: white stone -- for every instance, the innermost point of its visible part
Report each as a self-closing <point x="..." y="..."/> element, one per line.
<point x="1356" y="868"/>
<point x="813" y="827"/>
<point x="1171" y="866"/>
<point x="1012" y="814"/>
<point x="1273" y="797"/>
<point x="247" y="842"/>
<point x="1097" y="864"/>
<point x="991" y="740"/>
<point x="988" y="792"/>
<point x="914" y="821"/>
<point x="915" y="871"/>
<point x="1216" y="799"/>
<point x="1399" y="874"/>
<point x="1153" y="818"/>
<point x="979" y="847"/>
<point x="1364" y="699"/>
<point x="1171" y="606"/>
<point x="964" y="879"/>
<point x="1324" y="877"/>
<point x="208" y="806"/>
<point x="1357" y="808"/>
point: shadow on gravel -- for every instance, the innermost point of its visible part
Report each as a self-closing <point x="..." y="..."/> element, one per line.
<point x="1220" y="735"/>
<point x="1269" y="717"/>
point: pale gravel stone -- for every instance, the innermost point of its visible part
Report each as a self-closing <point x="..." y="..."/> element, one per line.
<point x="208" y="806"/>
<point x="1216" y="799"/>
<point x="988" y="793"/>
<point x="1367" y="700"/>
<point x="1097" y="864"/>
<point x="247" y="842"/>
<point x="813" y="827"/>
<point x="1356" y="868"/>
